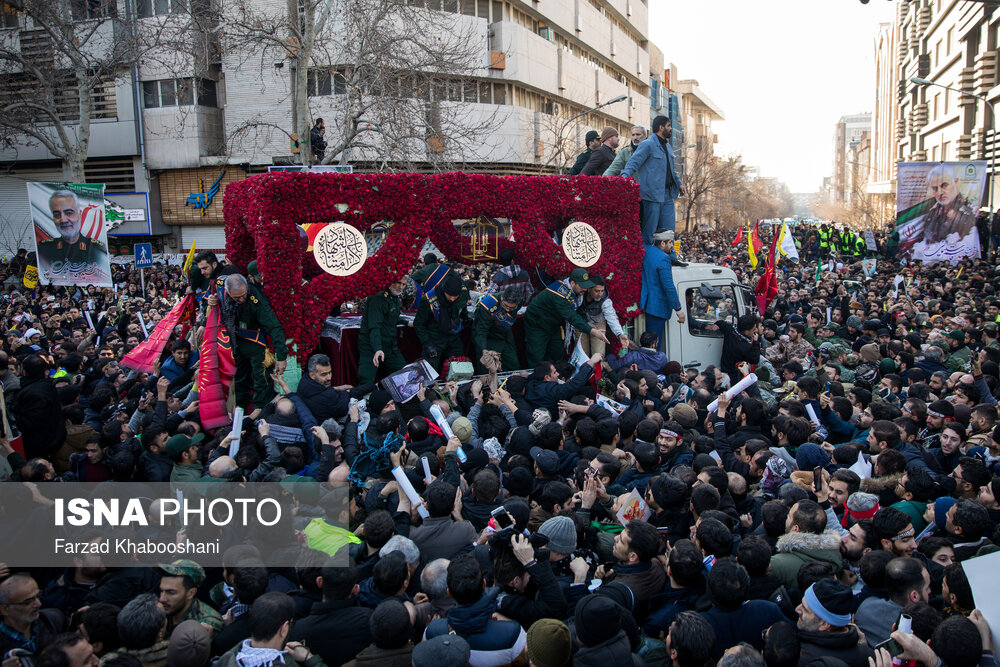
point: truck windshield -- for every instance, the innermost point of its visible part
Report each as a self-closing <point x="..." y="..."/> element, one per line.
<point x="704" y="311"/>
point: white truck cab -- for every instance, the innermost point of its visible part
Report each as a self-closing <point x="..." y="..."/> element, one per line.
<point x="708" y="293"/>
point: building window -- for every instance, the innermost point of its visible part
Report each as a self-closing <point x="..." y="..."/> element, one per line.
<point x="318" y="82"/>
<point x="8" y="15"/>
<point x="148" y="8"/>
<point x="93" y="9"/>
<point x="179" y="93"/>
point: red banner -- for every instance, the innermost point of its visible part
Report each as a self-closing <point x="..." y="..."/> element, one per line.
<point x="767" y="286"/>
<point x="148" y="352"/>
<point x="215" y="372"/>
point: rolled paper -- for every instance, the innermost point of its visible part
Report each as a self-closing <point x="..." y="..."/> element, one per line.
<point x="905" y="624"/>
<point x="445" y="427"/>
<point x="427" y="467"/>
<point x="812" y="414"/>
<point x="234" y="444"/>
<point x="739" y="388"/>
<point x="411" y="493"/>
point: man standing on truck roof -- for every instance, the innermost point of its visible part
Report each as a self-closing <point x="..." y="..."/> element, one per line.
<point x="658" y="298"/>
<point x="652" y="164"/>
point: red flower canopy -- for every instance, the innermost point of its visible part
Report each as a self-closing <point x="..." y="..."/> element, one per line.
<point x="261" y="214"/>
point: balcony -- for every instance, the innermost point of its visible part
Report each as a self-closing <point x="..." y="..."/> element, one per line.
<point x="985" y="72"/>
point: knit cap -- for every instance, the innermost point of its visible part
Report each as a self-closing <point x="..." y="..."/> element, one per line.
<point x="549" y="643"/>
<point x="561" y="531"/>
<point x="190" y="645"/>
<point x="607" y="133"/>
<point x="831" y="601"/>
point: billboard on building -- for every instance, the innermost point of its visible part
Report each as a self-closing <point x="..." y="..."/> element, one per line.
<point x="936" y="207"/>
<point x="71" y="239"/>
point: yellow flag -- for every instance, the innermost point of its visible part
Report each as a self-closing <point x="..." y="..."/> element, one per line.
<point x="752" y="252"/>
<point x="31" y="277"/>
<point x="189" y="260"/>
<point x="959" y="274"/>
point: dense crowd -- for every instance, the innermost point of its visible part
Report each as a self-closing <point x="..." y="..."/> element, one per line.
<point x="807" y="520"/>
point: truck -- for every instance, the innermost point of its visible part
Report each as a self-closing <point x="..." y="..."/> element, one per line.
<point x="708" y="293"/>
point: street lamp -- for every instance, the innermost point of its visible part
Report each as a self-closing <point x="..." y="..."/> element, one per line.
<point x="993" y="114"/>
<point x="562" y="129"/>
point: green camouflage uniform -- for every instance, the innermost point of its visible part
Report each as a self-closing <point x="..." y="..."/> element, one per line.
<point x="199" y="611"/>
<point x="959" y="360"/>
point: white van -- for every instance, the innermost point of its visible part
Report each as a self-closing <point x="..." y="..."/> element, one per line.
<point x="708" y="293"/>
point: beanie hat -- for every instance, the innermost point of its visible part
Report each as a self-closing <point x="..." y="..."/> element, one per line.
<point x="452" y="284"/>
<point x="831" y="600"/>
<point x="870" y="353"/>
<point x="607" y="133"/>
<point x="377" y="401"/>
<point x="549" y="643"/>
<point x="31" y="332"/>
<point x="462" y="428"/>
<point x="684" y="414"/>
<point x="539" y="418"/>
<point x="598" y="619"/>
<point x="941" y="507"/>
<point x="854" y="321"/>
<point x="561" y="531"/>
<point x="914" y="339"/>
<point x="859" y="505"/>
<point x="886" y="366"/>
<point x="809" y="455"/>
<point x="190" y="644"/>
<point x="442" y="651"/>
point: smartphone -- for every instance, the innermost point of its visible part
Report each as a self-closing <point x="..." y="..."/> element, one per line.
<point x="892" y="646"/>
<point x="817" y="478"/>
<point x="501" y="517"/>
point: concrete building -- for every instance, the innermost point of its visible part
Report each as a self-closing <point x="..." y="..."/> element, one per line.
<point x="954" y="44"/>
<point x="849" y="131"/>
<point x="884" y="139"/>
<point x="166" y="134"/>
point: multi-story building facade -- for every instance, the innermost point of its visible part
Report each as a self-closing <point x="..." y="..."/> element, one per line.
<point x="954" y="44"/>
<point x="884" y="139"/>
<point x="219" y="113"/>
<point x="849" y="131"/>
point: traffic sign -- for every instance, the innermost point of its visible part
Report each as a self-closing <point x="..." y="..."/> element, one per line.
<point x="143" y="255"/>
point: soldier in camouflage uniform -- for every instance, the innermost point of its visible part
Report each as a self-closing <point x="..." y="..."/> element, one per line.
<point x="838" y="354"/>
<point x="960" y="356"/>
<point x="377" y="344"/>
<point x="792" y="347"/>
<point x="178" y="588"/>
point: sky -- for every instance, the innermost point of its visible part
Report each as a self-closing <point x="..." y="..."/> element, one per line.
<point x="782" y="71"/>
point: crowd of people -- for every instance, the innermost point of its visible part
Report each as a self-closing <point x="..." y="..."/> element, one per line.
<point x="645" y="517"/>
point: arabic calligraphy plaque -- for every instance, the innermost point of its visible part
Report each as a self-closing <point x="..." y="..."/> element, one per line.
<point x="582" y="244"/>
<point x="340" y="249"/>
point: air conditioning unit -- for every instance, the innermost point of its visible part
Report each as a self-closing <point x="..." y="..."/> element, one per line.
<point x="546" y="32"/>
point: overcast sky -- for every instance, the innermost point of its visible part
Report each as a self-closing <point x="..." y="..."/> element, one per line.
<point x="783" y="72"/>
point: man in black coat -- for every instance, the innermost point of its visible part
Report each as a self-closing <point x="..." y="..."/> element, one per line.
<point x="322" y="399"/>
<point x="338" y="612"/>
<point x="602" y="158"/>
<point x="825" y="625"/>
<point x="37" y="410"/>
<point x="739" y="343"/>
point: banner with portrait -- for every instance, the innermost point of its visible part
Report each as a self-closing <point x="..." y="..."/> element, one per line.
<point x="71" y="240"/>
<point x="936" y="207"/>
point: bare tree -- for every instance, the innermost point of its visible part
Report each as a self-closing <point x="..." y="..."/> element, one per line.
<point x="395" y="82"/>
<point x="59" y="72"/>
